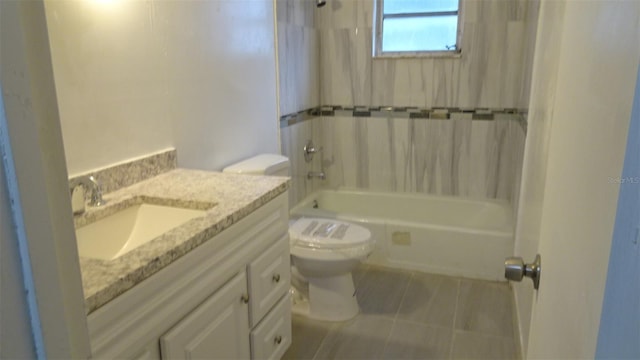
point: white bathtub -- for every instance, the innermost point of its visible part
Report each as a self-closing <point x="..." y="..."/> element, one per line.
<point x="437" y="234"/>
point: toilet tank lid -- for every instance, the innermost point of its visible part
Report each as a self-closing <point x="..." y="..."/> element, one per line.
<point x="260" y="164"/>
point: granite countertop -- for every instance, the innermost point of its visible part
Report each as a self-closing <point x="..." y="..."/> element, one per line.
<point x="234" y="196"/>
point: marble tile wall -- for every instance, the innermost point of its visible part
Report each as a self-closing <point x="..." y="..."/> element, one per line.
<point x="458" y="157"/>
<point x="298" y="56"/>
<point x="518" y="137"/>
<point x="492" y="72"/>
<point x="480" y="159"/>
<point x="531" y="30"/>
<point x="293" y="140"/>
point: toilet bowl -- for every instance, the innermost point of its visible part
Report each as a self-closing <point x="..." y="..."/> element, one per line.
<point x="324" y="252"/>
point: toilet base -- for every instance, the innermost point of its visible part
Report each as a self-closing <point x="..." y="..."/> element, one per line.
<point x="330" y="299"/>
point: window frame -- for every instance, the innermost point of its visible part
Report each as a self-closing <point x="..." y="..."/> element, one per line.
<point x="378" y="29"/>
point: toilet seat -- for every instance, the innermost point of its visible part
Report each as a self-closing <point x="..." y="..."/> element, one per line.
<point x="328" y="234"/>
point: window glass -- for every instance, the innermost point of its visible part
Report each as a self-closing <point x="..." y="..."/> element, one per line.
<point x="420" y="33"/>
<point x="417" y="27"/>
<point x="418" y="6"/>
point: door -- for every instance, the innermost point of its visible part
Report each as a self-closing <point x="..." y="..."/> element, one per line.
<point x="584" y="147"/>
<point x="217" y="329"/>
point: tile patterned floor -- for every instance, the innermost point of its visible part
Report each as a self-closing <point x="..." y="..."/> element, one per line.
<point x="413" y="315"/>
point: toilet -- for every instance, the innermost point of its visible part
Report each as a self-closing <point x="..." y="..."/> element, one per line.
<point x="324" y="252"/>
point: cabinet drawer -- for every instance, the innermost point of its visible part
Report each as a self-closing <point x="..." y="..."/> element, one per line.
<point x="272" y="337"/>
<point x="269" y="278"/>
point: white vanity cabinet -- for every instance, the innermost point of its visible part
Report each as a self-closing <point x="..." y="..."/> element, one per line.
<point x="228" y="298"/>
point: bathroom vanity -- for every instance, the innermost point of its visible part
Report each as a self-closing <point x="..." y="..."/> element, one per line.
<point x="214" y="287"/>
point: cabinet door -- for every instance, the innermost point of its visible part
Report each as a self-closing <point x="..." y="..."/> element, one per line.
<point x="217" y="329"/>
<point x="150" y="352"/>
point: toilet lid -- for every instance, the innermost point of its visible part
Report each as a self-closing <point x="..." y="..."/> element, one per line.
<point x="327" y="233"/>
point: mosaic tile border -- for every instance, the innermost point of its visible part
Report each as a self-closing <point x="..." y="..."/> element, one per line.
<point x="404" y="112"/>
<point x="300" y="116"/>
<point x="121" y="175"/>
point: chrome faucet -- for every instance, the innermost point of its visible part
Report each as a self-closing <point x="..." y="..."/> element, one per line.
<point x="78" y="186"/>
<point x="310" y="150"/>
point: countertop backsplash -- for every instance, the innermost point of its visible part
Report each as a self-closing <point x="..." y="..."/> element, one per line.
<point x="129" y="172"/>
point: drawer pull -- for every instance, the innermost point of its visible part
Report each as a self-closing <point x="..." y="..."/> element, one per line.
<point x="276" y="278"/>
<point x="245" y="298"/>
<point x="277" y="340"/>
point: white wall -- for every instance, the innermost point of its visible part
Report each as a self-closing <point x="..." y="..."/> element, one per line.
<point x="543" y="92"/>
<point x="110" y="74"/>
<point x="136" y="77"/>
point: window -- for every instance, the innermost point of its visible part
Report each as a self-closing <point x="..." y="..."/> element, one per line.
<point x="416" y="27"/>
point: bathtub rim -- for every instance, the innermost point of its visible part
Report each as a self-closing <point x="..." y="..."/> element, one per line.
<point x="299" y="210"/>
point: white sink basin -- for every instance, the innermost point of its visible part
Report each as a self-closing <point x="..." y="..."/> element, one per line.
<point x="117" y="234"/>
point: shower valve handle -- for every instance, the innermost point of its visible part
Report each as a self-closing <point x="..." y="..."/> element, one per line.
<point x="309" y="150"/>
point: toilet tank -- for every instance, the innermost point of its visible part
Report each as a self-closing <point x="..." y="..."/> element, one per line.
<point x="264" y="164"/>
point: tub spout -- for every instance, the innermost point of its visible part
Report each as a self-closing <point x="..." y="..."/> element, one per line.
<point x="314" y="174"/>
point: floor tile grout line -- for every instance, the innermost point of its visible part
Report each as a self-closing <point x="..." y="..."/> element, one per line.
<point x="386" y="341"/>
<point x="435" y="294"/>
<point x="393" y="324"/>
<point x="485" y="334"/>
<point x="404" y="294"/>
<point x="419" y="323"/>
<point x="455" y="315"/>
<point x="324" y="338"/>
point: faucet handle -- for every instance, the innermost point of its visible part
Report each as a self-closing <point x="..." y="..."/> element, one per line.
<point x="79" y="186"/>
<point x="309" y="150"/>
<point x="96" y="192"/>
<point x="77" y="200"/>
